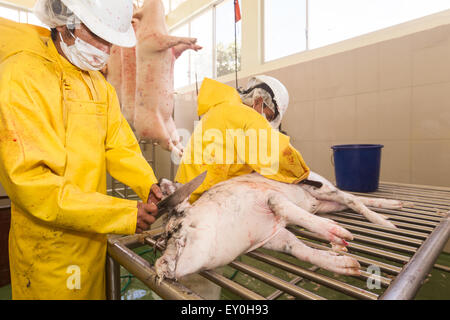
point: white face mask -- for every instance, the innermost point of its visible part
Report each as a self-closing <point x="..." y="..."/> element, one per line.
<point x="84" y="55"/>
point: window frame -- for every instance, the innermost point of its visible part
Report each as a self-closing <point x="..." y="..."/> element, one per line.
<point x="212" y="6"/>
<point x="307" y="31"/>
<point x="263" y="32"/>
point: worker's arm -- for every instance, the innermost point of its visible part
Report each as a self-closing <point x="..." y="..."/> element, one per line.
<point x="124" y="159"/>
<point x="33" y="159"/>
<point x="269" y="152"/>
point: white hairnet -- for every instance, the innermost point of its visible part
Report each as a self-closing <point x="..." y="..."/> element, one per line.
<point x="54" y="13"/>
<point x="249" y="97"/>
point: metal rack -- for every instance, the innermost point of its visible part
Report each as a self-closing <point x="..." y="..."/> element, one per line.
<point x="121" y="190"/>
<point x="404" y="256"/>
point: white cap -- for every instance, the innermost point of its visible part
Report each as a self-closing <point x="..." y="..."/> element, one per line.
<point x="108" y="19"/>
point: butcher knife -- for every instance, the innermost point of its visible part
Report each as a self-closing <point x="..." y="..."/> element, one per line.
<point x="179" y="195"/>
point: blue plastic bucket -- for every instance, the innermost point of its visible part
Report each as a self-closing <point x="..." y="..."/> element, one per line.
<point x="357" y="166"/>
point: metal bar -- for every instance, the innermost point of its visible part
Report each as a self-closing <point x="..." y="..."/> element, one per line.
<point x="442" y="199"/>
<point x="437" y="195"/>
<point x="415" y="192"/>
<point x="414" y="213"/>
<point x="357" y="247"/>
<point x="275" y="282"/>
<point x="385" y="244"/>
<point x="394" y="218"/>
<point x="263" y="276"/>
<point x="405" y="192"/>
<point x="219" y="279"/>
<point x="140" y="268"/>
<point x="384" y="235"/>
<point x="231" y="285"/>
<point x="441" y="267"/>
<point x="384" y="282"/>
<point x="119" y="194"/>
<point x="278" y="293"/>
<point x="418" y="186"/>
<point x="154" y="156"/>
<point x="410" y="214"/>
<point x="318" y="278"/>
<point x="112" y="279"/>
<point x="404" y="225"/>
<point x="408" y="282"/>
<point x="423" y="203"/>
<point x="387" y="268"/>
<point x="377" y="226"/>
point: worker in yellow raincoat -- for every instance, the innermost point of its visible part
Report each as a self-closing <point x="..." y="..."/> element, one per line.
<point x="238" y="135"/>
<point x="61" y="129"/>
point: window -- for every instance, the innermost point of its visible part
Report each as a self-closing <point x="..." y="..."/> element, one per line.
<point x="292" y="26"/>
<point x="21" y="15"/>
<point x="225" y="39"/>
<point x="331" y="21"/>
<point x="202" y="61"/>
<point x="32" y="19"/>
<point x="166" y="4"/>
<point x="181" y="74"/>
<point x="8" y="13"/>
<point x="217" y="58"/>
<point x="284" y="28"/>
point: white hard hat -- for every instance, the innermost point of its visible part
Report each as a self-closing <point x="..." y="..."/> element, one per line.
<point x="280" y="95"/>
<point x="108" y="19"/>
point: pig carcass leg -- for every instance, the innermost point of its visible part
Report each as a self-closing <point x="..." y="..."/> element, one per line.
<point x="115" y="70"/>
<point x="288" y="243"/>
<point x="331" y="193"/>
<point x="293" y="214"/>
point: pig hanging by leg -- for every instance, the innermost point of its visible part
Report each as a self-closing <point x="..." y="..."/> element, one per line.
<point x="114" y="74"/>
<point x="128" y="89"/>
<point x="122" y="76"/>
<point x="156" y="52"/>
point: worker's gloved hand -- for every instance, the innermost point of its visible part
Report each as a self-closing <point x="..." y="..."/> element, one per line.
<point x="145" y="216"/>
<point x="155" y="194"/>
<point x="147" y="211"/>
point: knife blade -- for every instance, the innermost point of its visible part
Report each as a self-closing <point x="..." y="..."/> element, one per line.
<point x="179" y="195"/>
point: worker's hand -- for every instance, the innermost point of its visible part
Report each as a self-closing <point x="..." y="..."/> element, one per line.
<point x="148" y="211"/>
<point x="155" y="194"/>
<point x="145" y="216"/>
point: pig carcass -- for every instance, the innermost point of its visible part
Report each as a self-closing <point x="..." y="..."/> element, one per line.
<point x="146" y="76"/>
<point x="249" y="212"/>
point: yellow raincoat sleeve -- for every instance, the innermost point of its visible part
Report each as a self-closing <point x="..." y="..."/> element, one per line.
<point x="267" y="151"/>
<point x="124" y="160"/>
<point x="33" y="159"/>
